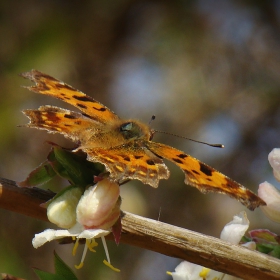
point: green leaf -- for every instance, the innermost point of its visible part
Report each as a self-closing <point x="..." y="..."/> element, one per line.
<point x="75" y="166"/>
<point x="62" y="271"/>
<point x="264" y="248"/>
<point x="245" y="239"/>
<point x="272" y="250"/>
<point x="69" y="165"/>
<point x="57" y="166"/>
<point x="42" y="174"/>
<point x="276" y="252"/>
<point x="43" y="275"/>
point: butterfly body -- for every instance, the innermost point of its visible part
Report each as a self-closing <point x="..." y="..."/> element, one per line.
<point x="125" y="147"/>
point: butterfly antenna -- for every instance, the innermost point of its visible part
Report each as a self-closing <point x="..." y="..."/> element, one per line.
<point x="152" y="119"/>
<point x="208" y="144"/>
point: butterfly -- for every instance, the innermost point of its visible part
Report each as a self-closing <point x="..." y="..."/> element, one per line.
<point x="124" y="147"/>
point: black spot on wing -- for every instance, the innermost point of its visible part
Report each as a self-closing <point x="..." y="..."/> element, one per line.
<point x="82" y="105"/>
<point x="38" y="75"/>
<point x="102" y="109"/>
<point x="64" y="96"/>
<point x="194" y="171"/>
<point x="84" y="98"/>
<point x="41" y="87"/>
<point x="232" y="185"/>
<point x="126" y="158"/>
<point x="69" y="116"/>
<point x="177" y="160"/>
<point x="138" y="157"/>
<point x="205" y="169"/>
<point x="86" y="115"/>
<point x="150" y="162"/>
<point x="182" y="156"/>
<point x="63" y="86"/>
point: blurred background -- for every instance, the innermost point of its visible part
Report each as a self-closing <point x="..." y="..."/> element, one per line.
<point x="208" y="70"/>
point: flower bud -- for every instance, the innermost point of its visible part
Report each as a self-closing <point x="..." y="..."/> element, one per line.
<point x="274" y="160"/>
<point x="99" y="207"/>
<point x="234" y="230"/>
<point x="62" y="209"/>
<point x="271" y="196"/>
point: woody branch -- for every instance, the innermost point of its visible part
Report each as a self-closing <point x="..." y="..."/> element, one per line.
<point x="159" y="237"/>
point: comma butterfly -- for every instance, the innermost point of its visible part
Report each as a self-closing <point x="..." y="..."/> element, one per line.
<point x="123" y="146"/>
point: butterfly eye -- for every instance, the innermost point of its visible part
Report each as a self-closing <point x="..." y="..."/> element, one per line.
<point x="131" y="130"/>
<point x="127" y="130"/>
<point x="126" y="127"/>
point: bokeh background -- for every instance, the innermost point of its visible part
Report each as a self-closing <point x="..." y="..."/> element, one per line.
<point x="209" y="70"/>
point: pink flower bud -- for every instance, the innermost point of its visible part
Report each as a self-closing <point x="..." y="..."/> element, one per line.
<point x="274" y="160"/>
<point x="99" y="207"/>
<point x="272" y="198"/>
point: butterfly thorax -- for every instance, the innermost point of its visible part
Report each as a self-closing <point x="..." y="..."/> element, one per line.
<point x="118" y="133"/>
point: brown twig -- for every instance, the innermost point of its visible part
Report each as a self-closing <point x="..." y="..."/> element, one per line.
<point x="159" y="237"/>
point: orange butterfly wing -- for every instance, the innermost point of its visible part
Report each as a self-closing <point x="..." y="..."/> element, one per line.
<point x="55" y="119"/>
<point x="45" y="84"/>
<point x="204" y="177"/>
<point x="130" y="161"/>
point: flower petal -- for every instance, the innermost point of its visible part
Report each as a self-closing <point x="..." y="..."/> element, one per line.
<point x="234" y="230"/>
<point x="186" y="271"/>
<point x="263" y="236"/>
<point x="250" y="245"/>
<point x="274" y="160"/>
<point x="93" y="233"/>
<point x="48" y="235"/>
<point x="271" y="196"/>
<point x="51" y="234"/>
<point x="189" y="271"/>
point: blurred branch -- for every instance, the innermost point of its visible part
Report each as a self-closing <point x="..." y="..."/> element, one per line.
<point x="24" y="201"/>
<point x="159" y="237"/>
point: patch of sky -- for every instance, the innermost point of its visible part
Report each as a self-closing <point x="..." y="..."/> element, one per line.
<point x="138" y="87"/>
<point x="233" y="22"/>
<point x="220" y="129"/>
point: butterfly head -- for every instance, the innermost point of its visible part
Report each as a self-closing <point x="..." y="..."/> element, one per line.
<point x="135" y="130"/>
